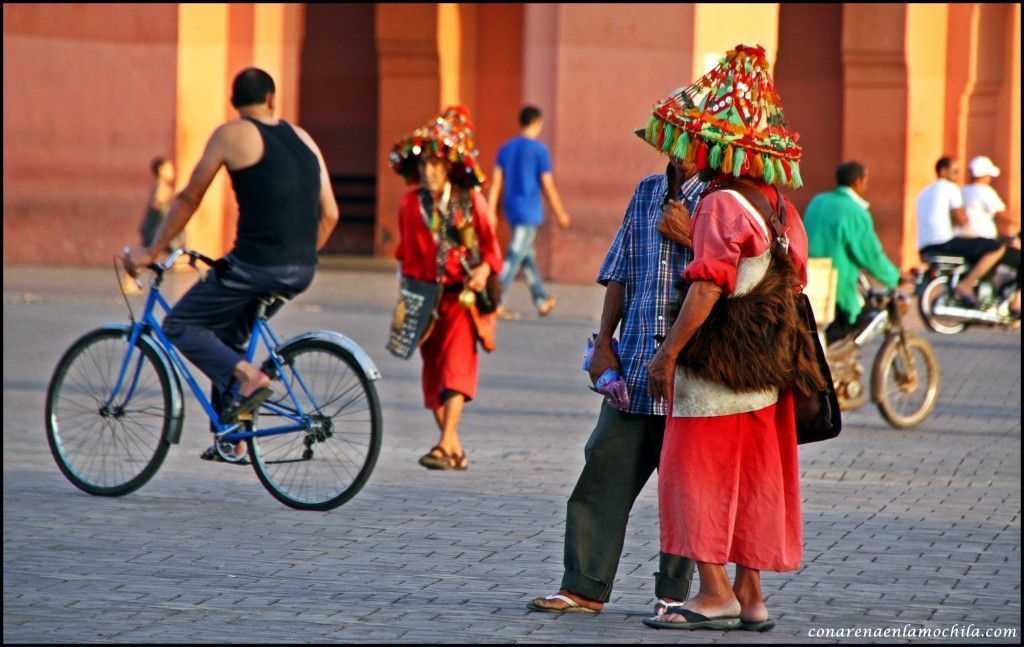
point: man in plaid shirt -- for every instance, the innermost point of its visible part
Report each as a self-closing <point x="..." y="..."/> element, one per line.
<point x="625" y="446"/>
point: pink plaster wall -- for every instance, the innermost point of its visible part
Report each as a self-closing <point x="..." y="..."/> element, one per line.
<point x="809" y="80"/>
<point x="597" y="70"/>
<point x="89" y="99"/>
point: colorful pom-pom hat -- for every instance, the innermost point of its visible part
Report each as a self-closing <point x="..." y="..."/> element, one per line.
<point x="448" y="136"/>
<point x="729" y="120"/>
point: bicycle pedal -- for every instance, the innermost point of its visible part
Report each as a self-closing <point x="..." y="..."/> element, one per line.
<point x="244" y="417"/>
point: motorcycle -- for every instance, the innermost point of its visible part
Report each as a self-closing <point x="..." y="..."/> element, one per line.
<point x="905" y="373"/>
<point x="942" y="312"/>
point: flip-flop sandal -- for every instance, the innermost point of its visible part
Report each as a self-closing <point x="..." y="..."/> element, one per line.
<point x="694" y="620"/>
<point x="571" y="606"/>
<point x="764" y="625"/>
<point x="247" y="405"/>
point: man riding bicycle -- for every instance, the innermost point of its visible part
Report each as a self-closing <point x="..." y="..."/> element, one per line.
<point x="287" y="211"/>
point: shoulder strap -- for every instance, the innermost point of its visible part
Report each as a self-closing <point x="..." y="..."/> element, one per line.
<point x="776" y="218"/>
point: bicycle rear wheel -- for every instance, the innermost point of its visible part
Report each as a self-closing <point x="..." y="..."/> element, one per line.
<point x="323" y="467"/>
<point x="905" y="391"/>
<point x="107" y="443"/>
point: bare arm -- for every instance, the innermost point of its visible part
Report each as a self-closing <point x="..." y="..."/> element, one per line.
<point x="611" y="315"/>
<point x="700" y="298"/>
<point x="493" y="195"/>
<point x="958" y="216"/>
<point x="328" y="205"/>
<point x="547" y="183"/>
<point x="183" y="205"/>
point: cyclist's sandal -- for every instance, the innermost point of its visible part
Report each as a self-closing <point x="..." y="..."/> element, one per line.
<point x="211" y="454"/>
<point x="244" y="406"/>
<point x="693" y="620"/>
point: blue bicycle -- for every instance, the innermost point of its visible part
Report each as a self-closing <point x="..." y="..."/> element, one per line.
<point x="115" y="405"/>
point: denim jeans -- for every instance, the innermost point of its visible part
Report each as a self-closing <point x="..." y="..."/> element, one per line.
<point x="521" y="253"/>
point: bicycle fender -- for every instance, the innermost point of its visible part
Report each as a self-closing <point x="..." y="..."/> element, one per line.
<point x="360" y="355"/>
<point x="177" y="402"/>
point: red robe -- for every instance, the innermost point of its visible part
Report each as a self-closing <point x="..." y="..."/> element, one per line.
<point x="729" y="485"/>
<point x="449" y="352"/>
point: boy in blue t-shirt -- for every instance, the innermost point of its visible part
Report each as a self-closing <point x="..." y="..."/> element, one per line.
<point x="524" y="168"/>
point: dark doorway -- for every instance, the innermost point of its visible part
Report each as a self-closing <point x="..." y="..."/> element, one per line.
<point x="338" y="106"/>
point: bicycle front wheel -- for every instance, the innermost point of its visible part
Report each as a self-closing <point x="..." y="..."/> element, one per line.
<point x="108" y="443"/>
<point x="905" y="380"/>
<point x="322" y="467"/>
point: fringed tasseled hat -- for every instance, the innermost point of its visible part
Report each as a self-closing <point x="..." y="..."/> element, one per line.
<point x="448" y="136"/>
<point x="730" y="120"/>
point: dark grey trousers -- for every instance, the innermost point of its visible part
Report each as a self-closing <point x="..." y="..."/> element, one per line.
<point x="622" y="453"/>
<point x="211" y="324"/>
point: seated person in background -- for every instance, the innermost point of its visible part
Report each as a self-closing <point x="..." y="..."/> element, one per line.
<point x="943" y="228"/>
<point x="987" y="219"/>
<point x="839" y="227"/>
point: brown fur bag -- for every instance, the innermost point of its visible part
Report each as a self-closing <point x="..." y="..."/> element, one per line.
<point x="755" y="341"/>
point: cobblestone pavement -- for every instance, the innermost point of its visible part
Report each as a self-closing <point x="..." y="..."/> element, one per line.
<point x="917" y="529"/>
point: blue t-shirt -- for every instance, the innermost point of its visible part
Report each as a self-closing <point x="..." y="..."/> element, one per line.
<point x="523" y="161"/>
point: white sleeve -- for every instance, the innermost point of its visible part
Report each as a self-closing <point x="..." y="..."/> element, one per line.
<point x="993" y="202"/>
<point x="956" y="199"/>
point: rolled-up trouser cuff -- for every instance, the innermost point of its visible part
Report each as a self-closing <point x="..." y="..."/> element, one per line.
<point x="585" y="587"/>
<point x="674" y="577"/>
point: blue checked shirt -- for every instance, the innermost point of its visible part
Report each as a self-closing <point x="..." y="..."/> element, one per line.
<point x="647" y="264"/>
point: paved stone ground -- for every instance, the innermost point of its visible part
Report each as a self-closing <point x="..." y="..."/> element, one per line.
<point x="915" y="528"/>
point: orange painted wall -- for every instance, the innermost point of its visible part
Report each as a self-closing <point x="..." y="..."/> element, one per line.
<point x="89" y="99"/>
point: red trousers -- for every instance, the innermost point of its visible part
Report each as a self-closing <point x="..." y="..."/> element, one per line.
<point x="449" y="353"/>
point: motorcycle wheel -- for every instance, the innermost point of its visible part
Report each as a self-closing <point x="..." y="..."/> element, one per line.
<point x="937" y="292"/>
<point x="905" y="394"/>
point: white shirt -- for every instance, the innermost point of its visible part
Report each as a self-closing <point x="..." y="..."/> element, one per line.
<point x="982" y="203"/>
<point x="934" y="221"/>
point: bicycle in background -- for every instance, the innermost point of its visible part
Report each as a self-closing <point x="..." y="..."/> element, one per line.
<point x="115" y="405"/>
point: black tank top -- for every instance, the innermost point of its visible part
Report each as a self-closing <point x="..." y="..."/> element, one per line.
<point x="278" y="201"/>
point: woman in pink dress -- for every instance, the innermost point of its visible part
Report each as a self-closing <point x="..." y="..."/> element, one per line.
<point x="729" y="479"/>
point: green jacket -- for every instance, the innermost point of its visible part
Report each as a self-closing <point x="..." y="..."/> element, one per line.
<point x="839" y="227"/>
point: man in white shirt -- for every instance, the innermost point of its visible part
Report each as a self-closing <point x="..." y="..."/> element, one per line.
<point x="986" y="216"/>
<point x="940" y="208"/>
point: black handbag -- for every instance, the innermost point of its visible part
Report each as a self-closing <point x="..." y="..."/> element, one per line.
<point x="817" y="414"/>
<point x="413" y="315"/>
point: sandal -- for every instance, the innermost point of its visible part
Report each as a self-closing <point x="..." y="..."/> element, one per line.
<point x="444" y="461"/>
<point x="226" y="448"/>
<point x="432" y="461"/>
<point x="243" y="406"/>
<point x="459" y="462"/>
<point x="693" y="620"/>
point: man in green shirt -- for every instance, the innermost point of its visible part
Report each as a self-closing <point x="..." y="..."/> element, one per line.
<point x="839" y="227"/>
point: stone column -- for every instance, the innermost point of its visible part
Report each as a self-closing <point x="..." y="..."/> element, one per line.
<point x="596" y="71"/>
<point x="407" y="58"/>
<point x="875" y="110"/>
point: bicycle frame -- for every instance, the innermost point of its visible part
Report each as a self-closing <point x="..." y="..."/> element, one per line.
<point x="234" y="431"/>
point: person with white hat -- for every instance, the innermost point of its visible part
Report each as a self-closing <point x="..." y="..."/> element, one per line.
<point x="942" y="226"/>
<point x="986" y="216"/>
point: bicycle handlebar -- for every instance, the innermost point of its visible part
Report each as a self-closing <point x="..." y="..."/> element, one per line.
<point x="191" y="253"/>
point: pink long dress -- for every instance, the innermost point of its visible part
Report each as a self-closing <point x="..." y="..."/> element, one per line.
<point x="729" y="484"/>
